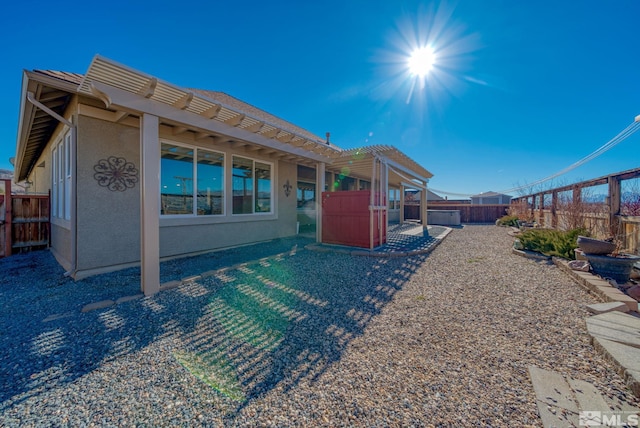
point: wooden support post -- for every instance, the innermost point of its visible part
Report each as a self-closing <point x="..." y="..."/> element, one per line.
<point x="423" y="205"/>
<point x="372" y="201"/>
<point x="320" y="182"/>
<point x="615" y="196"/>
<point x="401" y="203"/>
<point x="150" y="204"/>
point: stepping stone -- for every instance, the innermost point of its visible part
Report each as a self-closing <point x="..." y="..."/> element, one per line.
<point x="626" y="357"/>
<point x="588" y="396"/>
<point x="169" y="285"/>
<point x="98" y="305"/>
<point x="615" y="326"/>
<point x="601" y="308"/>
<point x="570" y="403"/>
<point x="129" y="298"/>
<point x="555" y="400"/>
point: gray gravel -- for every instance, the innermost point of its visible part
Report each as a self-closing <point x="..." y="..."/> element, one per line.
<point x="297" y="338"/>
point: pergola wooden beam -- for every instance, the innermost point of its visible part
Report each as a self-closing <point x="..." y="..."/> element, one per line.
<point x="211" y="112"/>
<point x="149" y="88"/>
<point x="184" y="102"/>
<point x="235" y="120"/>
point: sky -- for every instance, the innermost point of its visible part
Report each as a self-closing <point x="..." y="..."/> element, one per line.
<point x="518" y="91"/>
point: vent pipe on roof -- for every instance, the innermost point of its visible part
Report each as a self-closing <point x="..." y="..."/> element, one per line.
<point x="328" y="135"/>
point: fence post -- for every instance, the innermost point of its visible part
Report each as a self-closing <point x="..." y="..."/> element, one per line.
<point x="614" y="204"/>
<point x="541" y="209"/>
<point x="554" y="207"/>
<point x="8" y="228"/>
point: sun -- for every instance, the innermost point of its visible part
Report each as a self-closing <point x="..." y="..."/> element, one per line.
<point x="421" y="61"/>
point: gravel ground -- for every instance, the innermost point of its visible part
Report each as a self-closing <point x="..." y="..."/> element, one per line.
<point x="298" y="338"/>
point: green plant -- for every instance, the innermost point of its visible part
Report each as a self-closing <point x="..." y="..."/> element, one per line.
<point x="508" y="220"/>
<point x="552" y="242"/>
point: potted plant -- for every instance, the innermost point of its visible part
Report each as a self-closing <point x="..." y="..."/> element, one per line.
<point x="606" y="260"/>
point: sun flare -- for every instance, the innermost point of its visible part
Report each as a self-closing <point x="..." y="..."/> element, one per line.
<point x="421" y="61"/>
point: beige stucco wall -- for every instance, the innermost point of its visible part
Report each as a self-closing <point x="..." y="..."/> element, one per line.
<point x="60" y="242"/>
<point x="60" y="231"/>
<point x="108" y="222"/>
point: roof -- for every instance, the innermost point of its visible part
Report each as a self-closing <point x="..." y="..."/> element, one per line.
<point x="240" y="105"/>
<point x="74" y="78"/>
<point x="489" y="194"/>
<point x="358" y="162"/>
<point x="431" y="196"/>
<point x="53" y="89"/>
<point x="216" y="114"/>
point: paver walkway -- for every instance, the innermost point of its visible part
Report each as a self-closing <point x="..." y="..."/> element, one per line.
<point x="571" y="403"/>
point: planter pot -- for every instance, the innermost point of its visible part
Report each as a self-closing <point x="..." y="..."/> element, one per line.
<point x="617" y="268"/>
<point x="595" y="246"/>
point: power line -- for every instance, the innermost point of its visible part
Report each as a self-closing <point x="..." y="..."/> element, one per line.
<point x="623" y="135"/>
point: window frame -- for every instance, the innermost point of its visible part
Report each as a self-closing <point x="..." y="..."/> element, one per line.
<point x="255" y="195"/>
<point x="62" y="179"/>
<point x="194" y="172"/>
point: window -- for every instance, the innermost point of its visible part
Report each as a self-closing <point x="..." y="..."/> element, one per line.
<point x="394" y="199"/>
<point x="67" y="177"/>
<point x="306" y="195"/>
<point x="251" y="185"/>
<point x="189" y="174"/>
<point x="210" y="173"/>
<point x="61" y="173"/>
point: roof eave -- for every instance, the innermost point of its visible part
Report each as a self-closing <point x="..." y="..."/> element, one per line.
<point x="32" y="82"/>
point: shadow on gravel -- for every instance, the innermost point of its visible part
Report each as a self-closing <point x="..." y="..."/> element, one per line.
<point x="272" y="323"/>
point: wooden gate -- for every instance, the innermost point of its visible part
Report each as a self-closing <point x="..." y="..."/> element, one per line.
<point x="24" y="221"/>
<point x="349" y="219"/>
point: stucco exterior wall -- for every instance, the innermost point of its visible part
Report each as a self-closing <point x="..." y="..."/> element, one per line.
<point x="108" y="221"/>
<point x="60" y="238"/>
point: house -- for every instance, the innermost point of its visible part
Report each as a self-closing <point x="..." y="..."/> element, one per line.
<point x="491" y="198"/>
<point x="141" y="170"/>
<point x="413" y="196"/>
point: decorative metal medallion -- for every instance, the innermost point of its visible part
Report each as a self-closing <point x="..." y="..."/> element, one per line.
<point x="116" y="174"/>
<point x="287" y="188"/>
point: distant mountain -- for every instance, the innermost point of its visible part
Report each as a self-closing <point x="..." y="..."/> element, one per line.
<point x="6" y="174"/>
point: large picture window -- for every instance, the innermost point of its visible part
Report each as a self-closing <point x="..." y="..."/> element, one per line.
<point x="252" y="186"/>
<point x="189" y="174"/>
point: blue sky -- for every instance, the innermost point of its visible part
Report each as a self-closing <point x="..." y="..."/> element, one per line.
<point x="520" y="89"/>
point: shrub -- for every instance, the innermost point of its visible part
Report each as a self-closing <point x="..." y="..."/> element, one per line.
<point x="552" y="242"/>
<point x="508" y="220"/>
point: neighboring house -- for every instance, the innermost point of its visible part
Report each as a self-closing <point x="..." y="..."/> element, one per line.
<point x="412" y="196"/>
<point x="141" y="170"/>
<point x="491" y="198"/>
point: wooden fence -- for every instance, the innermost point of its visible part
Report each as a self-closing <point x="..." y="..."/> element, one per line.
<point x="468" y="213"/>
<point x="24" y="221"/>
<point x="573" y="206"/>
